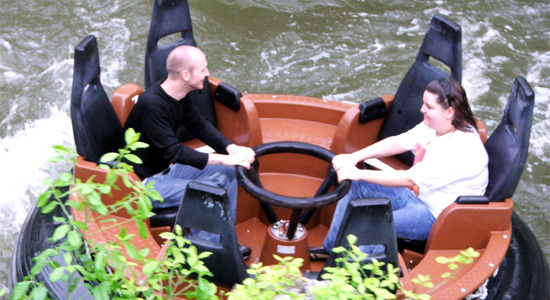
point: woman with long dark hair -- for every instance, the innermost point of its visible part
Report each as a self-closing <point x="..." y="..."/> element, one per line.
<point x="450" y="161"/>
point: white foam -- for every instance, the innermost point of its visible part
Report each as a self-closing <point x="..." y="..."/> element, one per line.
<point x="24" y="160"/>
<point x="540" y="144"/>
<point x="320" y="56"/>
<point x="413" y="29"/>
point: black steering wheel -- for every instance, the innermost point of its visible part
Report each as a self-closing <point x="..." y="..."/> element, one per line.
<point x="250" y="182"/>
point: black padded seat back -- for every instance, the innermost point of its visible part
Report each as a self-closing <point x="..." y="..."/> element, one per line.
<point x="169" y="17"/>
<point x="442" y="42"/>
<point x="371" y="221"/>
<point x="96" y="127"/>
<point x="207" y="208"/>
<point x="173" y="17"/>
<point x="508" y="145"/>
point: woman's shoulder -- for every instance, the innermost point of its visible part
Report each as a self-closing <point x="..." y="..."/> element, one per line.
<point x="469" y="142"/>
<point x="421" y="129"/>
<point x="468" y="134"/>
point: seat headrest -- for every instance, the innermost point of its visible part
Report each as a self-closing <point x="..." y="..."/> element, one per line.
<point x="169" y="17"/>
<point x="508" y="145"/>
<point x="96" y="128"/>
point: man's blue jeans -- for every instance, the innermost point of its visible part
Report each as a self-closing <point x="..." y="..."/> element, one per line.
<point x="412" y="219"/>
<point x="172" y="187"/>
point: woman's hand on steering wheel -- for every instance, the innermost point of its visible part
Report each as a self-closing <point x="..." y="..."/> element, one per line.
<point x="343" y="160"/>
<point x="348" y="172"/>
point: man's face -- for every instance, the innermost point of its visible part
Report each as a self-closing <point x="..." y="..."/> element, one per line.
<point x="198" y="72"/>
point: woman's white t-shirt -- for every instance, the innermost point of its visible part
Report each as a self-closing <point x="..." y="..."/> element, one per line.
<point x="453" y="165"/>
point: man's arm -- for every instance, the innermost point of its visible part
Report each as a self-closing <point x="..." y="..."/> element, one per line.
<point x="237" y="156"/>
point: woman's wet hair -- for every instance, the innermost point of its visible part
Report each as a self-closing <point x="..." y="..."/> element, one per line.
<point x="450" y="93"/>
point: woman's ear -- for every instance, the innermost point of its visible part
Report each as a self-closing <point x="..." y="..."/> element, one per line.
<point x="450" y="113"/>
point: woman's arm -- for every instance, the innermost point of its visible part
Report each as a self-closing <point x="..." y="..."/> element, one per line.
<point x="395" y="178"/>
<point x="383" y="148"/>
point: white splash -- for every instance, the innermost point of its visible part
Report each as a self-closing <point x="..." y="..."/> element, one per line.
<point x="24" y="160"/>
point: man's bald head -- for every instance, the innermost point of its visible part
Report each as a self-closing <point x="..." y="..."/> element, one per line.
<point x="183" y="58"/>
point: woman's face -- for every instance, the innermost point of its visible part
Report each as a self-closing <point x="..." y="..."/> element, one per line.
<point x="435" y="116"/>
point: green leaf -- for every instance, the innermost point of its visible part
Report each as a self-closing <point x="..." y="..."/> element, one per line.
<point x="150" y="267"/>
<point x="133" y="158"/>
<point x="131" y="251"/>
<point x="60" y="232"/>
<point x="143" y="231"/>
<point x="100" y="293"/>
<point x="56" y="159"/>
<point x="47" y="253"/>
<point x="129" y="136"/>
<point x="453" y="266"/>
<point x="428" y="285"/>
<point x="38" y="266"/>
<point x="20" y="290"/>
<point x="49" y="207"/>
<point x="100" y="261"/>
<point x="206" y="254"/>
<point x="352" y="239"/>
<point x="39" y="293"/>
<point x="178" y="257"/>
<point x="442" y="260"/>
<point x="66" y="177"/>
<point x="144" y="252"/>
<point x="126" y="181"/>
<point x="144" y="207"/>
<point x="80" y="225"/>
<point x="105" y="189"/>
<point x="60" y="149"/>
<point x="43" y="199"/>
<point x="57" y="274"/>
<point x="68" y="258"/>
<point x="74" y="239"/>
<point x="111" y="178"/>
<point x="107" y="157"/>
<point x="169" y="235"/>
<point x="141" y="145"/>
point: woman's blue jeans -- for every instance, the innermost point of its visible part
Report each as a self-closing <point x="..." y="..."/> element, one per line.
<point x="173" y="184"/>
<point x="412" y="219"/>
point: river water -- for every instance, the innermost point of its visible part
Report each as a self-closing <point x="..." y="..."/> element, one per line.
<point x="346" y="50"/>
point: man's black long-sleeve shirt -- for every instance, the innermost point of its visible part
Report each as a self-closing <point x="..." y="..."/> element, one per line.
<point x="159" y="118"/>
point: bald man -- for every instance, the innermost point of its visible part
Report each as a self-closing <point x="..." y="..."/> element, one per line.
<point x="160" y="114"/>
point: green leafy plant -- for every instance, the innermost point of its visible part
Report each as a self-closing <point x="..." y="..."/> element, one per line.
<point x="465" y="257"/>
<point x="354" y="279"/>
<point x="351" y="278"/>
<point x="112" y="270"/>
<point x="267" y="282"/>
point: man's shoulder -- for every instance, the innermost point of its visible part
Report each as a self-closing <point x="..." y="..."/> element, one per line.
<point x="151" y="92"/>
<point x="150" y="98"/>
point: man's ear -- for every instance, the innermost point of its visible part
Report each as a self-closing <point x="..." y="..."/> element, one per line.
<point x="185" y="75"/>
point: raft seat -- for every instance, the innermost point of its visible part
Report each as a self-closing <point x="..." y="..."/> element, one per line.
<point x="484" y="222"/>
<point x="486" y="227"/>
<point x="239" y="124"/>
<point x="97" y="131"/>
<point x="298" y="118"/>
